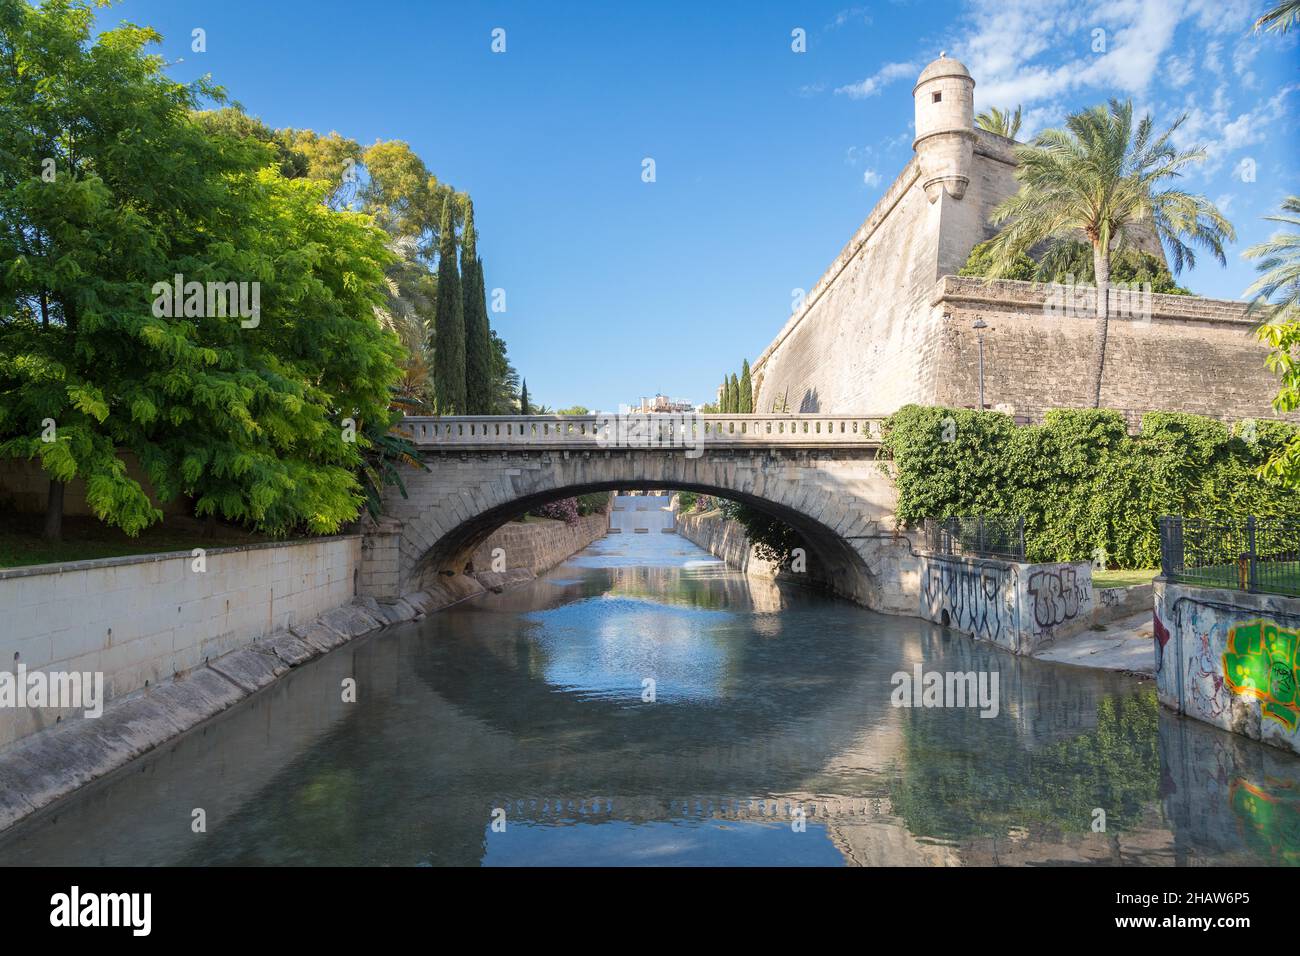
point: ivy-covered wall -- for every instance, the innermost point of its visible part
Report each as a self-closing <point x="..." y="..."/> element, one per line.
<point x="1080" y="480"/>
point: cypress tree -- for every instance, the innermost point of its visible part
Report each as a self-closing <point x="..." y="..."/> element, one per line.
<point x="746" y="390"/>
<point x="523" y="399"/>
<point x="449" y="323"/>
<point x="478" y="343"/>
<point x="733" y="394"/>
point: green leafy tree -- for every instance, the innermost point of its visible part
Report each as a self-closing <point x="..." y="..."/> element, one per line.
<point x="405" y="198"/>
<point x="478" y="338"/>
<point x="524" y="407"/>
<point x="449" y="325"/>
<point x="1101" y="177"/>
<point x="505" y="378"/>
<point x="746" y="403"/>
<point x="996" y="121"/>
<point x="333" y="159"/>
<point x="247" y="418"/>
<point x="1276" y="295"/>
<point x="1069" y="261"/>
<point x="261" y="421"/>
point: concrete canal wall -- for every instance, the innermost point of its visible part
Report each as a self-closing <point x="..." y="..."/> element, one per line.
<point x="140" y="620"/>
<point x="176" y="645"/>
<point x="1022" y="607"/>
<point x="1228" y="657"/>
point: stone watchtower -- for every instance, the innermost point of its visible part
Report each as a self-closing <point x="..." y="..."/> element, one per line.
<point x="944" y="97"/>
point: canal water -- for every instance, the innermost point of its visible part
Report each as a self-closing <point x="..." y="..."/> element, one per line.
<point x="643" y="704"/>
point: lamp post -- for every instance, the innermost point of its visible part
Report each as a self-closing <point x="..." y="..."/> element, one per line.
<point x="979" y="327"/>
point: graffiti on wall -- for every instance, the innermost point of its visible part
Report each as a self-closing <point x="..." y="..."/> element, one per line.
<point x="974" y="597"/>
<point x="1058" y="595"/>
<point x="1161" y="635"/>
<point x="1259" y="661"/>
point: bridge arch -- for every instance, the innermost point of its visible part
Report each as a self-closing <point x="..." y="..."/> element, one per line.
<point x="829" y="488"/>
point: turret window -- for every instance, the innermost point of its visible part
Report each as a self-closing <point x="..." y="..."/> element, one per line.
<point x="938" y="97"/>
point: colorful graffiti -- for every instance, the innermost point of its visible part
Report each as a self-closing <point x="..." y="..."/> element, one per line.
<point x="1260" y="661"/>
<point x="1269" y="817"/>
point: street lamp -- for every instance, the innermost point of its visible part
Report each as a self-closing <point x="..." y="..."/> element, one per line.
<point x="979" y="327"/>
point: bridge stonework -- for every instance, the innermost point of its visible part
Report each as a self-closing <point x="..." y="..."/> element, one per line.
<point x="823" y="479"/>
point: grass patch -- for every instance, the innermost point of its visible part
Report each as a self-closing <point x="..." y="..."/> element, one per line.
<point x="1123" y="579"/>
<point x="1282" y="577"/>
<point x="86" y="538"/>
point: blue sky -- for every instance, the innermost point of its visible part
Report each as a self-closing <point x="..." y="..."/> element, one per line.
<point x="766" y="160"/>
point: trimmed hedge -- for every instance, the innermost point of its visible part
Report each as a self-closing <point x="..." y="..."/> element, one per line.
<point x="1080" y="480"/>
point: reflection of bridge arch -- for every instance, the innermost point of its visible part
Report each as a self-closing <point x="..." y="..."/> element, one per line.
<point x="818" y="474"/>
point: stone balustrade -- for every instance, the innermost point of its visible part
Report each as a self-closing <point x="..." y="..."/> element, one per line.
<point x="641" y="431"/>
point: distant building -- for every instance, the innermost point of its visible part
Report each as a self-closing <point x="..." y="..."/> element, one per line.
<point x="663" y="405"/>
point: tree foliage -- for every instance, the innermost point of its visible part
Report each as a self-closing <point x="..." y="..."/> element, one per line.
<point x="1276" y="297"/>
<point x="1080" y="480"/>
<point x="263" y="423"/>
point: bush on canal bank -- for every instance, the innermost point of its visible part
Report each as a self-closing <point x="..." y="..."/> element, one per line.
<point x="1086" y="487"/>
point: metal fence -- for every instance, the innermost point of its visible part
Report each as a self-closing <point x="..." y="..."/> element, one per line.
<point x="1250" y="554"/>
<point x="982" y="536"/>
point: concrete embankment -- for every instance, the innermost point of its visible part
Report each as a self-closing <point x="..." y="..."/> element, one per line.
<point x="177" y="645"/>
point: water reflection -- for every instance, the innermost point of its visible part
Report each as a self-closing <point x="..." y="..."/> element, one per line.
<point x="768" y="703"/>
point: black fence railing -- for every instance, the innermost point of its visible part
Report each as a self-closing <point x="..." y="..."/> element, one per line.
<point x="1252" y="554"/>
<point x="983" y="536"/>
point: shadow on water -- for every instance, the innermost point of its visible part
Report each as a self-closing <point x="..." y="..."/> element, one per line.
<point x="532" y="705"/>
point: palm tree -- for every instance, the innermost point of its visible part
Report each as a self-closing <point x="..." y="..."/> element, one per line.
<point x="1281" y="18"/>
<point x="1099" y="177"/>
<point x="1278" y="288"/>
<point x="1276" y="293"/>
<point x="995" y="121"/>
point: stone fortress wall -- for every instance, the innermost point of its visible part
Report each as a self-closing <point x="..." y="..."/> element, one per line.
<point x="889" y="323"/>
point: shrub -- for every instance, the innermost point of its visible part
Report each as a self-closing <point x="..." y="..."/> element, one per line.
<point x="1080" y="480"/>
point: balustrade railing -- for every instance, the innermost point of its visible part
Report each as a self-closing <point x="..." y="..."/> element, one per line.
<point x="637" y="430"/>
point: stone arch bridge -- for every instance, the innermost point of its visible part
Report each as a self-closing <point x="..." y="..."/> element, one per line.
<point x="818" y="473"/>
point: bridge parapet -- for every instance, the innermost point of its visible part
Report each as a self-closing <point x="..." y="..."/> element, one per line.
<point x="642" y="431"/>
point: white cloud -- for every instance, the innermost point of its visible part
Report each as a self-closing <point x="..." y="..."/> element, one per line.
<point x="1212" y="61"/>
<point x="859" y="14"/>
<point x="871" y="178"/>
<point x="873" y="84"/>
<point x="1032" y="51"/>
<point x="1180" y="69"/>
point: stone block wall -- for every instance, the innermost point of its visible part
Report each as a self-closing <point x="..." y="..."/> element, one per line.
<point x="1228" y="658"/>
<point x="538" y="544"/>
<point x="142" y="619"/>
<point x="1190" y="354"/>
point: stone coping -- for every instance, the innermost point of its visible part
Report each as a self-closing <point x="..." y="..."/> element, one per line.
<point x="92" y="564"/>
<point x="1018" y="295"/>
